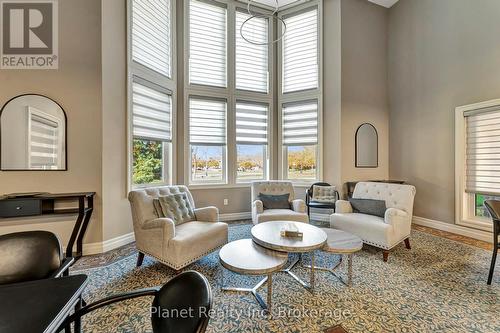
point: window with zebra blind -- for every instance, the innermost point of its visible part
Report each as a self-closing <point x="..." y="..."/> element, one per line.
<point x="300" y="139"/>
<point x="152" y="91"/>
<point x="300" y="59"/>
<point x="477" y="162"/>
<point x="151" y="35"/>
<point x="301" y="94"/>
<point x="207" y="139"/>
<point x="207" y="43"/>
<point x="252" y="126"/>
<point x="252" y="70"/>
<point x="44" y="140"/>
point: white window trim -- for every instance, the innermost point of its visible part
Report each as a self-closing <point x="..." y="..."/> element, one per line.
<point x="465" y="202"/>
<point x="231" y="94"/>
<point x="170" y="84"/>
<point x="301" y="96"/>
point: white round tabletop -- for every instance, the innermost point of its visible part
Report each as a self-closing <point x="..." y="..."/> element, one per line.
<point x="268" y="235"/>
<point x="245" y="257"/>
<point x="341" y="242"/>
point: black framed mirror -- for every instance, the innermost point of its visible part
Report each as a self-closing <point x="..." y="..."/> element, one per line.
<point x="366" y="146"/>
<point x="33" y="134"/>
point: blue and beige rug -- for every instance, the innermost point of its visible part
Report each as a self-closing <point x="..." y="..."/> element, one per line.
<point x="438" y="286"/>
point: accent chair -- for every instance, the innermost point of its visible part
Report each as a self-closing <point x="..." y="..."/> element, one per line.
<point x="384" y="233"/>
<point x="179" y="245"/>
<point x="296" y="212"/>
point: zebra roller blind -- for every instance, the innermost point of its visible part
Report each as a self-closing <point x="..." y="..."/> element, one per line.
<point x="251" y="123"/>
<point x="300" y="51"/>
<point x="44" y="142"/>
<point x="483" y="151"/>
<point x="252" y="60"/>
<point x="151" y="113"/>
<point x="207" y="44"/>
<point x="207" y="121"/>
<point x="151" y="34"/>
<point x="300" y="123"/>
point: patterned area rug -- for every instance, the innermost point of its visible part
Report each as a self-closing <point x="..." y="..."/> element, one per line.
<point x="438" y="286"/>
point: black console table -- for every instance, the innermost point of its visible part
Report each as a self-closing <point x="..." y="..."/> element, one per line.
<point x="42" y="204"/>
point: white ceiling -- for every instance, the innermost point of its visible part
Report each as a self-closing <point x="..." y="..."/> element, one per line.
<point x="272" y="3"/>
<point x="385" y="3"/>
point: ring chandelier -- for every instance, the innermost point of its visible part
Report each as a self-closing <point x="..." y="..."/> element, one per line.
<point x="272" y="16"/>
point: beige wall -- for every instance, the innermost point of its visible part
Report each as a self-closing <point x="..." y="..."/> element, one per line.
<point x="442" y="54"/>
<point x="364" y="84"/>
<point x="76" y="85"/>
<point x="332" y="92"/>
<point x="116" y="216"/>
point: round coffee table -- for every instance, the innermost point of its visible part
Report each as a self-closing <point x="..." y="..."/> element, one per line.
<point x="341" y="243"/>
<point x="245" y="257"/>
<point x="268" y="235"/>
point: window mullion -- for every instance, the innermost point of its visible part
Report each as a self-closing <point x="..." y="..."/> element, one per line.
<point x="231" y="114"/>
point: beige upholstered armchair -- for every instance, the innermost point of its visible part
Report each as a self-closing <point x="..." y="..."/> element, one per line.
<point x="297" y="211"/>
<point x="386" y="232"/>
<point x="174" y="245"/>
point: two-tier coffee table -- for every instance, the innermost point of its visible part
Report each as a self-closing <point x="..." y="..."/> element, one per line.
<point x="246" y="257"/>
<point x="268" y="235"/>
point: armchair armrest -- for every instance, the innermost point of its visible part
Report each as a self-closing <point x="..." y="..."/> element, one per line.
<point x="257" y="207"/>
<point x="299" y="206"/>
<point x="343" y="207"/>
<point x="207" y="214"/>
<point x="63" y="270"/>
<point x="393" y="216"/>
<point x="164" y="223"/>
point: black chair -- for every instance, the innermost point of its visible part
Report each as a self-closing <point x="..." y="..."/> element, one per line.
<point x="315" y="204"/>
<point x="188" y="291"/>
<point x="493" y="207"/>
<point x="31" y="255"/>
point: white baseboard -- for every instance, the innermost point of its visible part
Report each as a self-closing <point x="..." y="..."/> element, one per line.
<point x="453" y="228"/>
<point x="235" y="216"/>
<point x="108" y="245"/>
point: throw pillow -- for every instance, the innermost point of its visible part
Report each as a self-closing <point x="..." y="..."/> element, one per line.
<point x="270" y="201"/>
<point x="326" y="194"/>
<point x="368" y="206"/>
<point x="176" y="207"/>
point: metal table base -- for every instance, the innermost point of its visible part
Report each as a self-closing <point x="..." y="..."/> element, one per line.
<point x="332" y="270"/>
<point x="309" y="286"/>
<point x="254" y="291"/>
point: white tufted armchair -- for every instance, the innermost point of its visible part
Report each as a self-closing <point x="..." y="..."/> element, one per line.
<point x="385" y="232"/>
<point x="275" y="187"/>
<point x="174" y="245"/>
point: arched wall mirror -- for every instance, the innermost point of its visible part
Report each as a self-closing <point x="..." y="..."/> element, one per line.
<point x="32" y="134"/>
<point x="366" y="146"/>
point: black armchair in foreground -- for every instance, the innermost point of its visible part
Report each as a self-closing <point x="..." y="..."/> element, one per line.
<point x="493" y="207"/>
<point x="182" y="305"/>
<point x="31" y="255"/>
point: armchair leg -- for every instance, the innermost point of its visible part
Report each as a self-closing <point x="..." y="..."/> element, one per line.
<point x="407" y="244"/>
<point x="140" y="258"/>
<point x="386" y="255"/>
